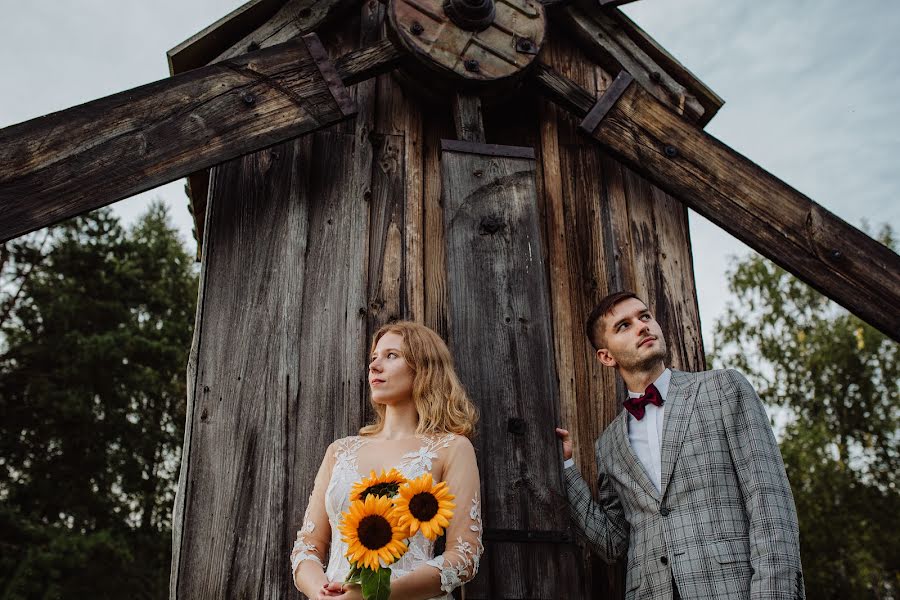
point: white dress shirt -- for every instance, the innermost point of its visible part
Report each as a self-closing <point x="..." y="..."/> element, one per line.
<point x="645" y="436"/>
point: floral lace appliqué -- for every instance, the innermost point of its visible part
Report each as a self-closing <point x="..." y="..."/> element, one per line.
<point x="469" y="554"/>
<point x="303" y="550"/>
<point x="420" y="460"/>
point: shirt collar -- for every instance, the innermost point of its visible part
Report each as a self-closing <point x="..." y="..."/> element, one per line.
<point x="661" y="383"/>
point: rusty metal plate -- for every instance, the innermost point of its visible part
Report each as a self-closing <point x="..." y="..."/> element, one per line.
<point x="502" y="49"/>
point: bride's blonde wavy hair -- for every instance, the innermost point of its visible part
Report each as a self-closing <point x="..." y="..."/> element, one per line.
<point x="441" y="401"/>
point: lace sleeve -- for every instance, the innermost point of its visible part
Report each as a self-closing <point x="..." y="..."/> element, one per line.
<point x="459" y="562"/>
<point x="314" y="536"/>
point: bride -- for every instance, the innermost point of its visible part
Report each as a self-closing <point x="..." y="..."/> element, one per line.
<point x="423" y="420"/>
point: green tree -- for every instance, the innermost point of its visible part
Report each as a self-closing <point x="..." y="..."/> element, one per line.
<point x="95" y="326"/>
<point x="832" y="384"/>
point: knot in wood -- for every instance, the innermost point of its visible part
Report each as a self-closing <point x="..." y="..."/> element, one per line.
<point x="516" y="425"/>
<point x="490" y="225"/>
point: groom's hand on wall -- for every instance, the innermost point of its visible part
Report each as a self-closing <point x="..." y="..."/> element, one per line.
<point x="563" y="434"/>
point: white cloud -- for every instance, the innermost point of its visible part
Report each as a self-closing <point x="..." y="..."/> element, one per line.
<point x="811" y="89"/>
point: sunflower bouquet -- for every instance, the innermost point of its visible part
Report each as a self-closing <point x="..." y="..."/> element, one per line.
<point x="385" y="511"/>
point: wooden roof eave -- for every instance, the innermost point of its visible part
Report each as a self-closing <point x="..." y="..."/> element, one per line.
<point x="617" y="43"/>
<point x="606" y="35"/>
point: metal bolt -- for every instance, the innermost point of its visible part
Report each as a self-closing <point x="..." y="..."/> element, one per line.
<point x="416" y="28"/>
<point x="671" y="151"/>
<point x="655" y="77"/>
<point x="525" y="45"/>
<point x="472" y="65"/>
<point x="836" y="254"/>
<point x="248" y="98"/>
<point x="252" y="47"/>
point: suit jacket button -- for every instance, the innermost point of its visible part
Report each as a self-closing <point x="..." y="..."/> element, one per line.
<point x="664" y="560"/>
<point x="664" y="511"/>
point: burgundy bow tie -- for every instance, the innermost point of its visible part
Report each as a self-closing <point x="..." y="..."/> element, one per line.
<point x="636" y="406"/>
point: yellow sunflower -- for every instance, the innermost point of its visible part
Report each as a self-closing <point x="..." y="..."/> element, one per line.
<point x="422" y="505"/>
<point x="371" y="532"/>
<point x="385" y="484"/>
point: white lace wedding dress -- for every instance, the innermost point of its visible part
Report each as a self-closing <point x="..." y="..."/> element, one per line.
<point x="447" y="457"/>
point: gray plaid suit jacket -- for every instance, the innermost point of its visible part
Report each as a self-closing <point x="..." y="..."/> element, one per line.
<point x="724" y="526"/>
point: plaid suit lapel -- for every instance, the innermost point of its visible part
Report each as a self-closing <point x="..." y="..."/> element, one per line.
<point x="679" y="407"/>
<point x="629" y="458"/>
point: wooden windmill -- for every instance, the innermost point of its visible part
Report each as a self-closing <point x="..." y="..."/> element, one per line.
<point x="488" y="167"/>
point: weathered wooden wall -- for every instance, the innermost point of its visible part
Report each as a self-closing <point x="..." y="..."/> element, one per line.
<point x="312" y="245"/>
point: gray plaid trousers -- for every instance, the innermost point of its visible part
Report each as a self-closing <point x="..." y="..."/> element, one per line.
<point x="724" y="526"/>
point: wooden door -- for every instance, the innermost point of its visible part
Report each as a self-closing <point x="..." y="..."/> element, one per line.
<point x="501" y="337"/>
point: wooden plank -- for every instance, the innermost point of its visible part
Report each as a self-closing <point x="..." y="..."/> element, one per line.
<point x="604" y="39"/>
<point x="401" y="116"/>
<point x="79" y="159"/>
<point x="563" y="90"/>
<point x="435" y="268"/>
<point x="293" y="19"/>
<point x="711" y="101"/>
<point x="492" y="227"/>
<point x="677" y="284"/>
<point x="387" y="261"/>
<point x="238" y="466"/>
<point x="369" y="61"/>
<point x="467" y="118"/>
<point x="201" y="48"/>
<point x="834" y="257"/>
<point x="269" y="22"/>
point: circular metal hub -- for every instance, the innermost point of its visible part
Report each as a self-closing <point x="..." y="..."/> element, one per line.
<point x="470" y="15"/>
<point x="469" y="40"/>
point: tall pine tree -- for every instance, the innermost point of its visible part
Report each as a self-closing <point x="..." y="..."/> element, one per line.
<point x="96" y="325"/>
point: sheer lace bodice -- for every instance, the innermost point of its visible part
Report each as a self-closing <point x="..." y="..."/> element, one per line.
<point x="447" y="457"/>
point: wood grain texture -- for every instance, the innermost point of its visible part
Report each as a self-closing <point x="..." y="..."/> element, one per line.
<point x="69" y="162"/>
<point x="237" y="451"/>
<point x="292" y="19"/>
<point x="502" y="341"/>
<point x="703" y="93"/>
<point x="606" y="41"/>
<point x="756" y="207"/>
<point x="435" y="268"/>
<point x="467" y="118"/>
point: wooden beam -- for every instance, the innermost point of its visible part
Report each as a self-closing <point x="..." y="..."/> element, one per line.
<point x="756" y="207"/>
<point x="82" y="158"/>
<point x="606" y="40"/>
<point x="708" y="98"/>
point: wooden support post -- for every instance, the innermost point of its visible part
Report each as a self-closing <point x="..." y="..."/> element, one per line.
<point x="492" y="226"/>
<point x="82" y="158"/>
<point x="467" y="118"/>
<point x="733" y="192"/>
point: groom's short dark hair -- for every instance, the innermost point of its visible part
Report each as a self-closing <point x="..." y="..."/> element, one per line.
<point x="594" y="325"/>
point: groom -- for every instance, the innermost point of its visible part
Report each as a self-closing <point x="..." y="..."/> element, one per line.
<point x="692" y="486"/>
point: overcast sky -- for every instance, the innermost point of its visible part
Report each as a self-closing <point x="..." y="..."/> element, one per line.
<point x="811" y="90"/>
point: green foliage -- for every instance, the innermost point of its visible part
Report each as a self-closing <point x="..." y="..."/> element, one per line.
<point x="95" y="331"/>
<point x="833" y="384"/>
<point x="376" y="584"/>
